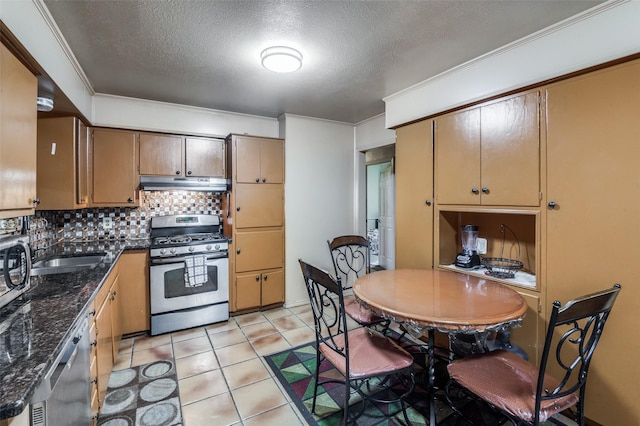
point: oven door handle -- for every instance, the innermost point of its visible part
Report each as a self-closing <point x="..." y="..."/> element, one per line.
<point x="179" y="259"/>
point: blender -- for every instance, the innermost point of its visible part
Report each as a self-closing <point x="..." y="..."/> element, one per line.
<point x="469" y="258"/>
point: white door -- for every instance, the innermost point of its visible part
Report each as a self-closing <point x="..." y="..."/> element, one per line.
<point x="387" y="213"/>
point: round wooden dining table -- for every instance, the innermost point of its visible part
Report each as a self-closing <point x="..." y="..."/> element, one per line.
<point x="446" y="301"/>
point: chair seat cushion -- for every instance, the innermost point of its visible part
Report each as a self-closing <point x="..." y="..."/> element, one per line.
<point x="370" y="354"/>
<point x="359" y="313"/>
<point x="508" y="382"/>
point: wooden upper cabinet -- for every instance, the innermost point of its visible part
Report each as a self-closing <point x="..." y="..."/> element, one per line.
<point x="161" y="155"/>
<point x="170" y="155"/>
<point x="490" y="155"/>
<point x="205" y="157"/>
<point x="62" y="164"/>
<point x="114" y="167"/>
<point x="18" y="140"/>
<point x="259" y="160"/>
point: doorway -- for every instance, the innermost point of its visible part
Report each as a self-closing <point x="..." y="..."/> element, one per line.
<point x="381" y="206"/>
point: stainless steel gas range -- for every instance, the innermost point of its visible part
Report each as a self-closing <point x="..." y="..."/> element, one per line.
<point x="188" y="272"/>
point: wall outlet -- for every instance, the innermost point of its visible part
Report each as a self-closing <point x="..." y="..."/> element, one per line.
<point x="106" y="223"/>
<point x="481" y="245"/>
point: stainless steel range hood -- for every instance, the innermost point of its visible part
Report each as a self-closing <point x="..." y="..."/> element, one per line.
<point x="159" y="183"/>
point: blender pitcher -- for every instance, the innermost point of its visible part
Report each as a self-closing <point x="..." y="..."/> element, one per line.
<point x="469" y="258"/>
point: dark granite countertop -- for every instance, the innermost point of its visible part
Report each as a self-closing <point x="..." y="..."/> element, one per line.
<point x="35" y="326"/>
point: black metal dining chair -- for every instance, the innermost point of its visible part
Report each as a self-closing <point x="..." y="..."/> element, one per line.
<point x="529" y="394"/>
<point x="351" y="260"/>
<point x="368" y="362"/>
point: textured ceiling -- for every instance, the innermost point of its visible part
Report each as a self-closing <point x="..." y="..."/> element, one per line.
<point x="207" y="53"/>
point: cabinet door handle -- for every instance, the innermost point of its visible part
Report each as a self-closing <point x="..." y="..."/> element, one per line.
<point x="94" y="381"/>
<point x="130" y="199"/>
<point x="238" y="251"/>
<point x="485" y="190"/>
<point x="428" y="202"/>
<point x="264" y="180"/>
<point x="92" y="312"/>
<point x="257" y="180"/>
<point x="475" y="191"/>
<point x="552" y="204"/>
<point x="257" y="277"/>
<point x="94" y="343"/>
<point x="36" y="201"/>
<point x="264" y="277"/>
<point x="238" y="208"/>
<point x="177" y="172"/>
<point x="189" y="172"/>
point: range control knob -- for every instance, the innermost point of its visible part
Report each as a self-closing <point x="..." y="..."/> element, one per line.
<point x="173" y="251"/>
<point x="162" y="252"/>
<point x="208" y="247"/>
<point x="217" y="247"/>
<point x="191" y="249"/>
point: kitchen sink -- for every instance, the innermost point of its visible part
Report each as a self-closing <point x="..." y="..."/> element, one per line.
<point x="61" y="265"/>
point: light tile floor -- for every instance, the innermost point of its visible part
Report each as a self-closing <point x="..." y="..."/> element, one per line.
<point x="223" y="378"/>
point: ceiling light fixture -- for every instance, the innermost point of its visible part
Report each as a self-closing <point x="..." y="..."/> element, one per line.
<point x="281" y="59"/>
<point x="44" y="102"/>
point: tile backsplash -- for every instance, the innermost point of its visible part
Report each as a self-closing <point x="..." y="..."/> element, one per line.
<point x="114" y="223"/>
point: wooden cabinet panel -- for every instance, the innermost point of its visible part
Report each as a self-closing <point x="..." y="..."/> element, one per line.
<point x="247" y="291"/>
<point x="272" y="287"/>
<point x="116" y="317"/>
<point x="161" y="155"/>
<point x="530" y="336"/>
<point x="18" y="140"/>
<point x="258" y="250"/>
<point x="114" y="167"/>
<point x="592" y="176"/>
<point x="457" y="147"/>
<point x="104" y="348"/>
<point x="205" y="157"/>
<point x="511" y="151"/>
<point x="414" y="196"/>
<point x="272" y="161"/>
<point x="134" y="290"/>
<point x="62" y="164"/>
<point x="259" y="205"/>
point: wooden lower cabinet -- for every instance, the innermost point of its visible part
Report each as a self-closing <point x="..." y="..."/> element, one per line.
<point x="105" y="332"/>
<point x="134" y="310"/>
<point x="260" y="288"/>
<point x="530" y="335"/>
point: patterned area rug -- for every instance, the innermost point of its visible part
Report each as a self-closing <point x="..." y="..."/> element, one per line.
<point x="145" y="395"/>
<point x="295" y="368"/>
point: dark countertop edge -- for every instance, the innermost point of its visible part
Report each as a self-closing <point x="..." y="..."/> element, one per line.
<point x="15" y="408"/>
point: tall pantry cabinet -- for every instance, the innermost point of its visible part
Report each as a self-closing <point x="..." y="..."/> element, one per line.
<point x="593" y="205"/>
<point x="255" y="221"/>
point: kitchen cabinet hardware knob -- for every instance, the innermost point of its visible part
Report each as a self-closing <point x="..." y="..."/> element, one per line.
<point x="94" y="343"/>
<point x="94" y="381"/>
<point x="257" y="180"/>
<point x="264" y="277"/>
<point x="92" y="312"/>
<point x="485" y="190"/>
<point x="238" y="251"/>
<point x="264" y="180"/>
<point x="257" y="277"/>
<point x="238" y="208"/>
<point x="552" y="204"/>
<point x="428" y="202"/>
<point x="475" y="191"/>
<point x="177" y="172"/>
<point x="36" y="201"/>
<point x="189" y="172"/>
<point x="130" y="199"/>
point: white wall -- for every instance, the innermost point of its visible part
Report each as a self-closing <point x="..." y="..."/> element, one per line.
<point x="140" y="114"/>
<point x="319" y="194"/>
<point x="606" y="32"/>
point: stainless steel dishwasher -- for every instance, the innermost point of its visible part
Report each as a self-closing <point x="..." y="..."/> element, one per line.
<point x="63" y="397"/>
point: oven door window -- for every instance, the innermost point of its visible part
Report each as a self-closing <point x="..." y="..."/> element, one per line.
<point x="175" y="286"/>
